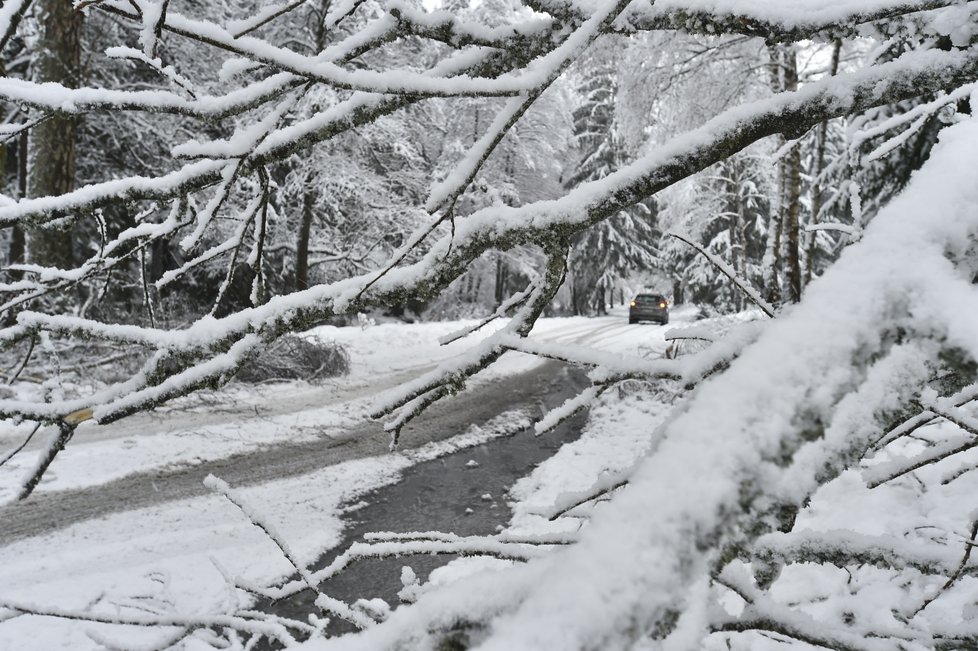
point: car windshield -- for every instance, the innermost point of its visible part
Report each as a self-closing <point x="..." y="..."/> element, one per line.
<point x="648" y="299"/>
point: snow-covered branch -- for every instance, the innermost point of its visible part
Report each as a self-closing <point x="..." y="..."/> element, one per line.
<point x="494" y="227"/>
<point x="774" y="24"/>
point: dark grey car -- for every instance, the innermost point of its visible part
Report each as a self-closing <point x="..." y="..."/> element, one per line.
<point x="649" y="307"/>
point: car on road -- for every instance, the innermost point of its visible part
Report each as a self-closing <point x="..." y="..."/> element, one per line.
<point x="649" y="307"/>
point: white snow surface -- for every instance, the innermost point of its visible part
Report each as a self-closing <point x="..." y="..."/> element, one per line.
<point x="240" y="418"/>
<point x="169" y="554"/>
<point x="641" y="551"/>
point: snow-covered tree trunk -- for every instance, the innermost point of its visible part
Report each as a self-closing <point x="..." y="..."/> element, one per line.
<point x="302" y="240"/>
<point x="51" y="153"/>
<point x="785" y="64"/>
<point x="818" y="168"/>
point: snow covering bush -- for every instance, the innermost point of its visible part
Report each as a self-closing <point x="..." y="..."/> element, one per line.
<point x="296" y="358"/>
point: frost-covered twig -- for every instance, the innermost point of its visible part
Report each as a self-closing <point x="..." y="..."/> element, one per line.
<point x="848" y="229"/>
<point x="24" y="362"/>
<point x="55" y="445"/>
<point x="506" y="538"/>
<point x="880" y="474"/>
<point x="959" y="399"/>
<point x="271" y="629"/>
<point x="959" y="571"/>
<point x="513" y="301"/>
<point x="917" y="116"/>
<point x="414" y="544"/>
<point x="450" y="376"/>
<point x="571" y="406"/>
<point x="445" y="194"/>
<point x="11" y="13"/>
<point x="846" y="548"/>
<point x="750" y="20"/>
<point x="695" y="332"/>
<point x="761" y="613"/>
<point x="567" y="502"/>
<point x="727" y="271"/>
<point x="10" y="455"/>
<point x="323" y="600"/>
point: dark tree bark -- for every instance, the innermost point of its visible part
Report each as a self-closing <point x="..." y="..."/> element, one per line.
<point x="16" y="153"/>
<point x="302" y="243"/>
<point x="782" y="250"/>
<point x="790" y="240"/>
<point x="677" y="292"/>
<point x="791" y="202"/>
<point x="737" y="211"/>
<point x="821" y="137"/>
<point x="51" y="147"/>
<point x="502" y="280"/>
<point x="772" y="260"/>
<point x="602" y="305"/>
<point x="18" y="242"/>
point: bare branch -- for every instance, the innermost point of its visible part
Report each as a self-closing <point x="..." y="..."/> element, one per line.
<point x="324" y="601"/>
<point x="725" y="269"/>
<point x="958" y="572"/>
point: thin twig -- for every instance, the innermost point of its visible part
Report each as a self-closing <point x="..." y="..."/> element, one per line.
<point x="20" y="447"/>
<point x="958" y="572"/>
<point x="65" y="430"/>
<point x="324" y="601"/>
<point x="23" y="365"/>
<point x="740" y="283"/>
<point x="589" y="498"/>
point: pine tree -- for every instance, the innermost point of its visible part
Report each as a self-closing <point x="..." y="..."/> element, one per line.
<point x="627" y="242"/>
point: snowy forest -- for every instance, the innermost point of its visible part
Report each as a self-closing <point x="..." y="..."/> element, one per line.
<point x="187" y="186"/>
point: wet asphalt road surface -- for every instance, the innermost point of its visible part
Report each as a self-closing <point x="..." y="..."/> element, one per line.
<point x="446" y="495"/>
<point x="414" y="502"/>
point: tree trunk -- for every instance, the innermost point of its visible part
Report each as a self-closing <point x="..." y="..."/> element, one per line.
<point x="18" y="243"/>
<point x="771" y="260"/>
<point x="302" y="243"/>
<point x="737" y="211"/>
<point x="791" y="206"/>
<point x="789" y="238"/>
<point x="502" y="276"/>
<point x="677" y="291"/>
<point x="51" y="146"/>
<point x="821" y="137"/>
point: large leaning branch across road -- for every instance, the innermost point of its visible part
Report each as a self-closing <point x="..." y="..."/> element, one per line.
<point x="211" y="350"/>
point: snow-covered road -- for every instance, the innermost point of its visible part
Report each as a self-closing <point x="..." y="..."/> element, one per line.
<point x="521" y="396"/>
<point x="124" y="513"/>
<point x="243" y="419"/>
